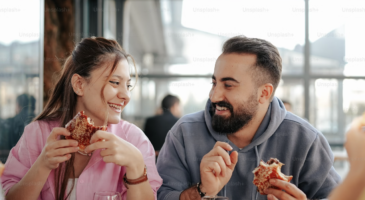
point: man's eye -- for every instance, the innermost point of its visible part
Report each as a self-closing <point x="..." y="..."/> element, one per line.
<point x="213" y="83"/>
<point x="227" y="85"/>
<point x="114" y="82"/>
<point x="129" y="86"/>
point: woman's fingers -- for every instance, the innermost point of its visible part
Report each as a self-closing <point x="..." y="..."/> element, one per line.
<point x="63" y="151"/>
<point x="107" y="152"/>
<point x="64" y="143"/>
<point x="60" y="159"/>
<point x="56" y="132"/>
<point x="97" y="145"/>
<point x="101" y="135"/>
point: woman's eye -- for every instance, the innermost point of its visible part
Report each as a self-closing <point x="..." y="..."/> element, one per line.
<point x="114" y="82"/>
<point x="228" y="85"/>
<point x="213" y="83"/>
<point x="129" y="86"/>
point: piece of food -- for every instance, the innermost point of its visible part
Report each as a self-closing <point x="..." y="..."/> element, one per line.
<point x="2" y="167"/>
<point x="82" y="128"/>
<point x="266" y="171"/>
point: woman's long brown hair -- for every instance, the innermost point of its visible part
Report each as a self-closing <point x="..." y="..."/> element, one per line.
<point x="87" y="56"/>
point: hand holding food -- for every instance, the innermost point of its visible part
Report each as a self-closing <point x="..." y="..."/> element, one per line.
<point x="82" y="129"/>
<point x="116" y="150"/>
<point x="272" y="182"/>
<point x="266" y="171"/>
<point x="57" y="151"/>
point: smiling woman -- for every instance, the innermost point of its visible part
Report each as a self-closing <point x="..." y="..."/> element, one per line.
<point x="122" y="152"/>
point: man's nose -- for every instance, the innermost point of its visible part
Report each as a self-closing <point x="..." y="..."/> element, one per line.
<point x="216" y="95"/>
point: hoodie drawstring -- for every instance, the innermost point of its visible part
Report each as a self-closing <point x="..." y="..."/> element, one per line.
<point x="255" y="193"/>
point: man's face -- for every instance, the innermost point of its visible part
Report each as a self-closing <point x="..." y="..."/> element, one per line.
<point x="233" y="95"/>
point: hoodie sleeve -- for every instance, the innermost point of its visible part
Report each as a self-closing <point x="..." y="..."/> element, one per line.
<point x="172" y="167"/>
<point x="318" y="176"/>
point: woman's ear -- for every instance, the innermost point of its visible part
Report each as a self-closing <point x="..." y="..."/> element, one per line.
<point x="78" y="84"/>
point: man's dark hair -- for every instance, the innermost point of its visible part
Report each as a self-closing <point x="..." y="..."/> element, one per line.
<point x="26" y="101"/>
<point x="169" y="101"/>
<point x="268" y="64"/>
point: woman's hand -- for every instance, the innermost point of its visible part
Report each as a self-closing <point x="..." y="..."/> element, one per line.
<point x="118" y="151"/>
<point x="355" y="140"/>
<point x="57" y="151"/>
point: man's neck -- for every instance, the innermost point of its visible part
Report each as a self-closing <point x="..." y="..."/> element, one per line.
<point x="244" y="136"/>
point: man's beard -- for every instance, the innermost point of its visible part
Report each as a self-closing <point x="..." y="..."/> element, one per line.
<point x="238" y="119"/>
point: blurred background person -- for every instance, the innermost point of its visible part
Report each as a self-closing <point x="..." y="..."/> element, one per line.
<point x="157" y="127"/>
<point x="287" y="105"/>
<point x="14" y="126"/>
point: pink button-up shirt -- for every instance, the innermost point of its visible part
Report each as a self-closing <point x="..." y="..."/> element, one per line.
<point x="97" y="175"/>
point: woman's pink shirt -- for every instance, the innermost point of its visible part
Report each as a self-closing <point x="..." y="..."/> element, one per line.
<point x="97" y="175"/>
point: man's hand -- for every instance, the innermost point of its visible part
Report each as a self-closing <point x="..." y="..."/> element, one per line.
<point x="291" y="192"/>
<point x="216" y="168"/>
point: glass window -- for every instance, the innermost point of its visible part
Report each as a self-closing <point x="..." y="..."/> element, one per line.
<point x="149" y="92"/>
<point x="337" y="37"/>
<point x="20" y="69"/>
<point x="292" y="91"/>
<point x="196" y="30"/>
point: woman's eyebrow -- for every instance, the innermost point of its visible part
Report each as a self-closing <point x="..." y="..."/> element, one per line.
<point x="119" y="77"/>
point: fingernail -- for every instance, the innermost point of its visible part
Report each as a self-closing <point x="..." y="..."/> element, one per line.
<point x="272" y="181"/>
<point x="77" y="148"/>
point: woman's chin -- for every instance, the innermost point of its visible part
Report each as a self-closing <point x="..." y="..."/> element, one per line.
<point x="114" y="120"/>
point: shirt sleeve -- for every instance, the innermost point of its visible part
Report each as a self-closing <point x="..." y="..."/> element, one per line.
<point x="318" y="176"/>
<point x="172" y="166"/>
<point x="136" y="137"/>
<point x="22" y="156"/>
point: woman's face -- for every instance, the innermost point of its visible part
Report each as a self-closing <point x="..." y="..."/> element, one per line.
<point x="116" y="93"/>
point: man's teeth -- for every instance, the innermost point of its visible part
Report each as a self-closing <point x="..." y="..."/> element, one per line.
<point x="118" y="107"/>
<point x="221" y="108"/>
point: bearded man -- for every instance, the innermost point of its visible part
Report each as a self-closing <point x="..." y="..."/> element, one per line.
<point x="214" y="152"/>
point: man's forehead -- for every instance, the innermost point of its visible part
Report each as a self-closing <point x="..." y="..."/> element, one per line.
<point x="234" y="65"/>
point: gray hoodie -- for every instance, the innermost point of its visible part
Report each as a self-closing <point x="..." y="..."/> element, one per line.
<point x="303" y="149"/>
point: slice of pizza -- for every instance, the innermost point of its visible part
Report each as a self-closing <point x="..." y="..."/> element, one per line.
<point x="266" y="171"/>
<point x="2" y="168"/>
<point x="82" y="128"/>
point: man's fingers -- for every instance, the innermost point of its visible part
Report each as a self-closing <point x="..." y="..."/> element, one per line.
<point x="219" y="151"/>
<point x="221" y="163"/>
<point x="215" y="168"/>
<point x="57" y="132"/>
<point x="271" y="197"/>
<point x="289" y="188"/>
<point x="100" y="135"/>
<point x="224" y="145"/>
<point x="96" y="145"/>
<point x="234" y="160"/>
<point x="279" y="194"/>
<point x="64" y="143"/>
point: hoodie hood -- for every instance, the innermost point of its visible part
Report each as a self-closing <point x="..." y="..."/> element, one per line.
<point x="272" y="120"/>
